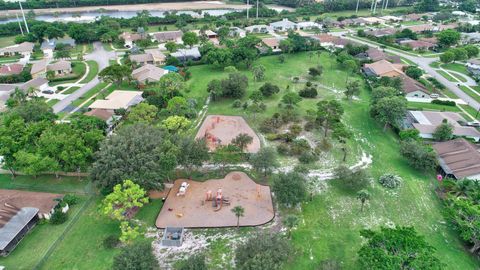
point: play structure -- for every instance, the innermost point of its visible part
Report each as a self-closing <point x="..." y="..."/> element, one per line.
<point x="208" y="204"/>
<point x="218" y="201"/>
<point x="183" y="189"/>
<point x="221" y="130"/>
<point x="172" y="237"/>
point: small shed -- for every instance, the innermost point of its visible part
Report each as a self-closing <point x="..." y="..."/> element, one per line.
<point x="172" y="237"/>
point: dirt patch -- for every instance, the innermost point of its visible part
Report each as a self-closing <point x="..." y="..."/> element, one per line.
<point x="193" y="210"/>
<point x="221" y="130"/>
<point x="157" y="194"/>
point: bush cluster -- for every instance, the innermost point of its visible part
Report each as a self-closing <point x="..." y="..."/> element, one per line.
<point x="390" y="180"/>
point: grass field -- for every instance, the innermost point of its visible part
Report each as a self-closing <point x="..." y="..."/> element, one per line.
<point x="71" y="90"/>
<point x="431" y="107"/>
<point x="456" y="67"/>
<point x="93" y="71"/>
<point x="88" y="94"/>
<point x="52" y="102"/>
<point x="470" y="92"/>
<point x="6" y="41"/>
<point x="447" y="76"/>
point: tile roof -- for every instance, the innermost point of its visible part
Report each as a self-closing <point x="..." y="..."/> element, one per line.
<point x="118" y="99"/>
<point x="148" y="72"/>
<point x="60" y="66"/>
<point x="167" y="36"/>
<point x="11" y="69"/>
<point x="458" y="157"/>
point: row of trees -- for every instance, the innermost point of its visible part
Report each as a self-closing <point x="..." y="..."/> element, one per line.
<point x="31" y="142"/>
<point x="459" y="54"/>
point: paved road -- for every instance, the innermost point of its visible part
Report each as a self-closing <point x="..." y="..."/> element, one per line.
<point x="424" y="63"/>
<point x="99" y="55"/>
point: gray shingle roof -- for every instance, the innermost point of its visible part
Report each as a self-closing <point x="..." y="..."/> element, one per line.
<point x="10" y="230"/>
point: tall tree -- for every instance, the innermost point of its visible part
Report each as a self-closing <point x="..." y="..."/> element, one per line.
<point x="289" y="188"/>
<point x="329" y="113"/>
<point x="242" y="141"/>
<point x="115" y="73"/>
<point x="258" y="72"/>
<point x="396" y="248"/>
<point x="190" y="39"/>
<point x="239" y="212"/>
<point x="353" y="89"/>
<point x="389" y="111"/>
<point x="193" y="153"/>
<point x="363" y="196"/>
<point x="290" y="221"/>
<point x="264" y="161"/>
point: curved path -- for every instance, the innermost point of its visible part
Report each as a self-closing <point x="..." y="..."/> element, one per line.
<point x="99" y="55"/>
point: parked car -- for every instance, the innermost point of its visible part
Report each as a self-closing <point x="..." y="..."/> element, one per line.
<point x="434" y="96"/>
<point x="473" y="124"/>
<point x="48" y="92"/>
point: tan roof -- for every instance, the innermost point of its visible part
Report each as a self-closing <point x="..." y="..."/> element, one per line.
<point x="11" y="69"/>
<point x="18" y="198"/>
<point x="427" y="122"/>
<point x="458" y="157"/>
<point x="130" y="36"/>
<point x="420" y="27"/>
<point x="141" y="58"/>
<point x="375" y="54"/>
<point x="118" y="99"/>
<point x="410" y="85"/>
<point x="34" y="83"/>
<point x="19" y="48"/>
<point x="415" y="44"/>
<point x="40" y="66"/>
<point x="149" y="73"/>
<point x="383" y="67"/>
<point x="156" y="54"/>
<point x="60" y="66"/>
<point x="100" y="113"/>
<point x="271" y="42"/>
<point x="167" y="36"/>
<point x="324" y="38"/>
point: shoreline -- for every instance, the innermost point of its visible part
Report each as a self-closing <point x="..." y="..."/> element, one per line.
<point x="171" y="6"/>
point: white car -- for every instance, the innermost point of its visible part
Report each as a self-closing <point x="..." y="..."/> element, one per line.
<point x="434" y="96"/>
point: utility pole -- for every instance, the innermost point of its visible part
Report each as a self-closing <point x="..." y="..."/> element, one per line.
<point x="23" y="14"/>
<point x="248" y="5"/>
<point x="386" y="5"/>
<point x="375" y="7"/>
<point x="371" y="7"/>
<point x="19" y="24"/>
<point x="257" y="9"/>
<point x="356" y="10"/>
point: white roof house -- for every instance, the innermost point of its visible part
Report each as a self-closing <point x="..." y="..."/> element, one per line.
<point x="308" y="25"/>
<point x="25" y="48"/>
<point x="426" y="123"/>
<point x="118" y="99"/>
<point x="259" y="28"/>
<point x="283" y="25"/>
<point x="148" y="73"/>
<point x="187" y="54"/>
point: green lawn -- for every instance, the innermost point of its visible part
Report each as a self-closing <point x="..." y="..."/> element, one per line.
<point x="470" y="92"/>
<point x="46" y="183"/>
<point x="456" y="67"/>
<point x="431" y="107"/>
<point x="83" y="247"/>
<point x="90" y="93"/>
<point x="331" y="222"/>
<point x="474" y="113"/>
<point x="447" y="76"/>
<point x="92" y="72"/>
<point x="7" y="41"/>
<point x="52" y="102"/>
<point x="71" y="90"/>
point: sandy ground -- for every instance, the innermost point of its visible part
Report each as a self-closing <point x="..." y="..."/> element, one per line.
<point x="221" y="130"/>
<point x="192" y="211"/>
<point x="153" y="6"/>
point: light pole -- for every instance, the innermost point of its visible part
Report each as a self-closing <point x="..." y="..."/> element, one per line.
<point x="19" y="24"/>
<point x="23" y="14"/>
<point x="248" y="4"/>
<point x="257" y="9"/>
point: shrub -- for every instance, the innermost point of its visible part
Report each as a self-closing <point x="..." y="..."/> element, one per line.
<point x="390" y="180"/>
<point x="237" y="103"/>
<point x="444" y="102"/>
<point x="194" y="262"/>
<point x="111" y="241"/>
<point x="58" y="217"/>
<point x="70" y="199"/>
<point x="418" y="155"/>
<point x="351" y="180"/>
<point x="283" y="149"/>
<point x="289" y="188"/>
<point x="308" y="92"/>
<point x="307" y="157"/>
<point x="136" y="256"/>
<point x="61" y="88"/>
<point x="299" y="146"/>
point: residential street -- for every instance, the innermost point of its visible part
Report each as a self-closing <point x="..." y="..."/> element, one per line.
<point x="99" y="55"/>
<point x="424" y="63"/>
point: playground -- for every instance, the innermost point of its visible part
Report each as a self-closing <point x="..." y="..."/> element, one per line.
<point x="221" y="130"/>
<point x="192" y="204"/>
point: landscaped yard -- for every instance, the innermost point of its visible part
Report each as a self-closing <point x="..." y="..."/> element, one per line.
<point x="456" y="67"/>
<point x="93" y="71"/>
<point x="431" y="107"/>
<point x="470" y="92"/>
<point x="78" y="70"/>
<point x="90" y="93"/>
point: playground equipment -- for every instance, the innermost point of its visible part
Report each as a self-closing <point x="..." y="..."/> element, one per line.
<point x="183" y="189"/>
<point x="218" y="201"/>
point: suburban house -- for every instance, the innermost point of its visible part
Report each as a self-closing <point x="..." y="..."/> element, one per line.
<point x="413" y="17"/>
<point x="11" y="69"/>
<point x="427" y="121"/>
<point x="236" y="32"/>
<point x="48" y="46"/>
<point x="272" y="43"/>
<point x="419" y="45"/>
<point x="391" y="18"/>
<point x="283" y="25"/>
<point x="20" y="212"/>
<point x="130" y="38"/>
<point x="39" y="84"/>
<point x="60" y="68"/>
<point x="381" y="32"/>
<point x="187" y="54"/>
<point x="412" y="88"/>
<point x="148" y="73"/>
<point x="5" y="91"/>
<point x="458" y="159"/>
<point x="421" y="28"/>
<point x="373" y="20"/>
<point x="307" y="25"/>
<point x="469" y="38"/>
<point x="25" y="49"/>
<point x="261" y="28"/>
<point x="325" y="40"/>
<point x="39" y="68"/>
<point x="151" y="56"/>
<point x="108" y="116"/>
<point x="118" y="99"/>
<point x="383" y="68"/>
<point x="166" y="36"/>
<point x="473" y="66"/>
<point x="374" y="55"/>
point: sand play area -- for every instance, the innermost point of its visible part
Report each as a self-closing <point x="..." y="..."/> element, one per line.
<point x="222" y="129"/>
<point x="192" y="210"/>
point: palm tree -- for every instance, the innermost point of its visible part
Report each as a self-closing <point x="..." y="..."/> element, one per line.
<point x="463" y="187"/>
<point x="363" y="196"/>
<point x="290" y="221"/>
<point x="31" y="92"/>
<point x="50" y="75"/>
<point x="238" y="211"/>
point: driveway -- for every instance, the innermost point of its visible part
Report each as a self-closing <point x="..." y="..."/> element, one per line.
<point x="99" y="55"/>
<point x="424" y="63"/>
